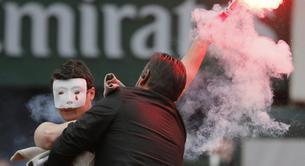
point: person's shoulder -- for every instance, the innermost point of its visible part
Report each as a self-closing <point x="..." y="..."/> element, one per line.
<point x="114" y="98"/>
<point x="122" y="91"/>
<point x="119" y="93"/>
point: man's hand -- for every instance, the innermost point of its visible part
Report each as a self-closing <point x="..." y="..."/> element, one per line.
<point x="47" y="132"/>
<point x="111" y="83"/>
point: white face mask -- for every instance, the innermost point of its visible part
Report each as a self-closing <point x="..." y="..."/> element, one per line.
<point x="70" y="93"/>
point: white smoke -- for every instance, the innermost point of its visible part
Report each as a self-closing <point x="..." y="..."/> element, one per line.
<point x="232" y="98"/>
<point x="42" y="109"/>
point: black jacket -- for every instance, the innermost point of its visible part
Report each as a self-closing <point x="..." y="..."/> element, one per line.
<point x="131" y="127"/>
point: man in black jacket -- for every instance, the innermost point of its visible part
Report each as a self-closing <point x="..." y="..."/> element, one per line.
<point x="132" y="126"/>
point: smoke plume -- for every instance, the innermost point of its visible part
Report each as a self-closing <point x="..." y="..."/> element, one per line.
<point x="42" y="109"/>
<point x="231" y="98"/>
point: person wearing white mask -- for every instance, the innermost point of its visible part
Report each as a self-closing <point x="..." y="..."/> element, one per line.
<point x="73" y="91"/>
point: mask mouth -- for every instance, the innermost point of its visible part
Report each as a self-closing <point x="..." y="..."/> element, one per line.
<point x="67" y="109"/>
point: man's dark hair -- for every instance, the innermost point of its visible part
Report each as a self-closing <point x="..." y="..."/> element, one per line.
<point x="167" y="75"/>
<point x="73" y="69"/>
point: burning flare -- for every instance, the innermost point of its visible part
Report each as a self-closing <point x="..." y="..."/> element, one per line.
<point x="262" y="4"/>
<point x="257" y="6"/>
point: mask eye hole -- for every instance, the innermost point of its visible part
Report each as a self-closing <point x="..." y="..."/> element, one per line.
<point x="77" y="92"/>
<point x="60" y="93"/>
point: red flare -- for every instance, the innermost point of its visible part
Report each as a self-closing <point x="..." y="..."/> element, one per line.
<point x="262" y="4"/>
